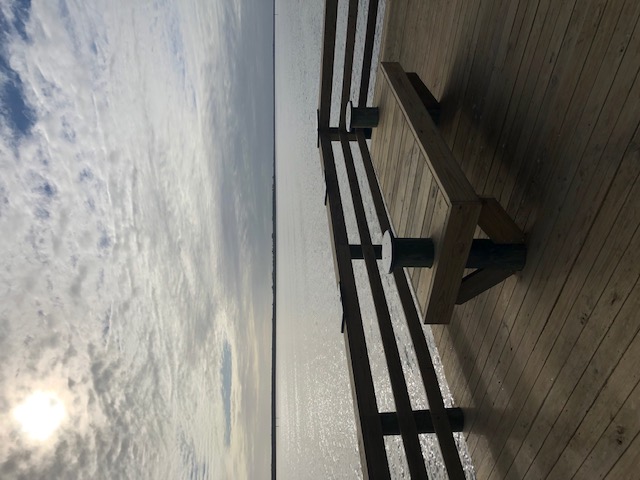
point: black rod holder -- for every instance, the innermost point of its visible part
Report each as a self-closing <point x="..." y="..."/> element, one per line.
<point x="362" y="117"/>
<point x="420" y="252"/>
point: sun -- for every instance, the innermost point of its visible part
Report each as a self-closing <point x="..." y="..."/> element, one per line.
<point x="40" y="415"/>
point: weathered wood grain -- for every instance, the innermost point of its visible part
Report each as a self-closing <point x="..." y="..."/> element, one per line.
<point x="540" y="105"/>
<point x="450" y="178"/>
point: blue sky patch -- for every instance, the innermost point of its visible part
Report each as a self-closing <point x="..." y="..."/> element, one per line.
<point x="14" y="108"/>
<point x="46" y="189"/>
<point x="21" y="10"/>
<point x="225" y="373"/>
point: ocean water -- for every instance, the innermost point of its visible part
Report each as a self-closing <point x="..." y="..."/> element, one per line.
<point x="316" y="435"/>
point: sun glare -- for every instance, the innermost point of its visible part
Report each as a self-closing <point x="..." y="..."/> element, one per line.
<point x="40" y="414"/>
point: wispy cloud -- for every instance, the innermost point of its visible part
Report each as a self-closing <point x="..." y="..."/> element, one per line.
<point x="132" y="274"/>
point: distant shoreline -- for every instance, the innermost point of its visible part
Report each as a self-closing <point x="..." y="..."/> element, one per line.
<point x="273" y="236"/>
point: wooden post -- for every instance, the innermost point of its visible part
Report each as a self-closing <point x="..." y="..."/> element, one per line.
<point x="428" y="100"/>
<point x="356" y="252"/>
<point x="335" y="134"/>
<point x="480" y="281"/>
<point x="506" y="256"/>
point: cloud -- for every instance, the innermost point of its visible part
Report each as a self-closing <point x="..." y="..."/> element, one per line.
<point x="131" y="274"/>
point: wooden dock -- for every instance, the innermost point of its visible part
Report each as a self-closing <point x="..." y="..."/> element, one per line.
<point x="540" y="105"/>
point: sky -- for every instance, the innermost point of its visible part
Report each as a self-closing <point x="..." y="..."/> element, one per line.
<point x="136" y="150"/>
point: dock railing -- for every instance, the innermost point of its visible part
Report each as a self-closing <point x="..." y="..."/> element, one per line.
<point x="371" y="424"/>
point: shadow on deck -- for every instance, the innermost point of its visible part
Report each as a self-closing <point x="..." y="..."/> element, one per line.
<point x="540" y="106"/>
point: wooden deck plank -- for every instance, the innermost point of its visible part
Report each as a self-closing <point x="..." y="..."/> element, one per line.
<point x="379" y="95"/>
<point x="539" y="51"/>
<point x="389" y="112"/>
<point x="589" y="168"/>
<point x="556" y="105"/>
<point x="572" y="70"/>
<point x="543" y="88"/>
<point x="415" y="179"/>
<point x="593" y="85"/>
<point x="403" y="168"/>
<point x="427" y="16"/>
<point x="386" y="119"/>
<point x="577" y="358"/>
<point x="452" y="183"/>
<point x="421" y="225"/>
<point x="476" y="20"/>
<point x="577" y="201"/>
<point x="440" y="34"/>
<point x="606" y="358"/>
<point x="439" y="70"/>
<point x="487" y="51"/>
<point x="395" y="19"/>
<point x="614" y="441"/>
<point x="434" y="228"/>
<point x="530" y="85"/>
<point x="512" y="100"/>
<point x="397" y="168"/>
<point x="602" y="252"/>
<point x="598" y="418"/>
<point x="462" y="46"/>
<point x="500" y="94"/>
<point x="413" y="223"/>
<point x="409" y="184"/>
<point x="395" y="134"/>
<point x="627" y="465"/>
<point x="413" y="22"/>
<point x="506" y="89"/>
<point x="469" y="330"/>
<point x="380" y="134"/>
<point x="483" y="345"/>
<point x="551" y="274"/>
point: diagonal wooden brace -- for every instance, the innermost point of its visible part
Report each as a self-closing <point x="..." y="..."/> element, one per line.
<point x="500" y="228"/>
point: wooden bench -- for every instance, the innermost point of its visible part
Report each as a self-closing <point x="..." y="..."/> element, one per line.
<point x="465" y="210"/>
